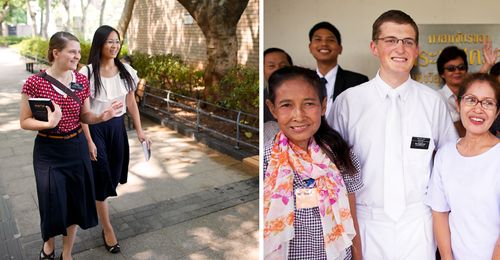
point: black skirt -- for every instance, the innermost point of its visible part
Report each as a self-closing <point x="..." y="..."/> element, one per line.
<point x="64" y="183"/>
<point x="111" y="167"/>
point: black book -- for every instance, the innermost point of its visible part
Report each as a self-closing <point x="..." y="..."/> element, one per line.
<point x="38" y="109"/>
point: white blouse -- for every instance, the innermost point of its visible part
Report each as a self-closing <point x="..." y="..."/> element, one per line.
<point x="113" y="89"/>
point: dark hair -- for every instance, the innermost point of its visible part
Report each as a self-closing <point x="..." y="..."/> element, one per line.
<point x="395" y="16"/>
<point x="100" y="37"/>
<point x="480" y="77"/>
<point x="450" y="53"/>
<point x="328" y="139"/>
<point x="273" y="50"/>
<point x="495" y="70"/>
<point x="58" y="42"/>
<point x="328" y="26"/>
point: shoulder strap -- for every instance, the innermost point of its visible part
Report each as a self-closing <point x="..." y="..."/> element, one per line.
<point x="60" y="86"/>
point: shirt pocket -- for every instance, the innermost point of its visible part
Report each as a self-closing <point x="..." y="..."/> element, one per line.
<point x="417" y="163"/>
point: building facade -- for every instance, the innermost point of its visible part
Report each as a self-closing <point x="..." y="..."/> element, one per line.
<point x="162" y="27"/>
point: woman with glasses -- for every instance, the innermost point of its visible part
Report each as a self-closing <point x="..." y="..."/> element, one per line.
<point x="464" y="191"/>
<point x="110" y="80"/>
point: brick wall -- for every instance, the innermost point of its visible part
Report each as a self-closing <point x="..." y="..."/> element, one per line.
<point x="158" y="26"/>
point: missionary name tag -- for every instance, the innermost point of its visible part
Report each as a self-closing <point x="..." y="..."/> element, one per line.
<point x="76" y="86"/>
<point x="420" y="143"/>
<point x="306" y="198"/>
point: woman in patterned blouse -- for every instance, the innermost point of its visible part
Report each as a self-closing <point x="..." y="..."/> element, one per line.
<point x="60" y="157"/>
<point x="310" y="175"/>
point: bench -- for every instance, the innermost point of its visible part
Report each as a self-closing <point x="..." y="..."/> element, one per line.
<point x="31" y="61"/>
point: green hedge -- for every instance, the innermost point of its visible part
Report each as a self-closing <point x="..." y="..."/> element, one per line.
<point x="9" y="40"/>
<point x="168" y="71"/>
<point x="239" y="90"/>
<point x="38" y="47"/>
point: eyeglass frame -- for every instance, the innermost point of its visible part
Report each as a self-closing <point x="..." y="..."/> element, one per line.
<point x="495" y="103"/>
<point x="453" y="68"/>
<point x="404" y="41"/>
<point x="111" y="42"/>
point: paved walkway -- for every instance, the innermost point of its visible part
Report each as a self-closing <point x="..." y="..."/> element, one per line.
<point x="187" y="202"/>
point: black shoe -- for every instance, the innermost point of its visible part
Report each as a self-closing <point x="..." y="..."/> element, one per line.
<point x="45" y="256"/>
<point x="61" y="257"/>
<point x="112" y="249"/>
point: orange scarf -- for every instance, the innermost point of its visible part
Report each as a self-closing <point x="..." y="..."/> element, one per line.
<point x="287" y="158"/>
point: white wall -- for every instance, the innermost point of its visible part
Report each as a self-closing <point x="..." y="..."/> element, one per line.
<point x="287" y="24"/>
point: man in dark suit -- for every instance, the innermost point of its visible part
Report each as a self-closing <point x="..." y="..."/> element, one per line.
<point x="325" y="46"/>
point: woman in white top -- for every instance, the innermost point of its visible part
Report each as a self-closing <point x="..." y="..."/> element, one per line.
<point x="464" y="192"/>
<point x="110" y="80"/>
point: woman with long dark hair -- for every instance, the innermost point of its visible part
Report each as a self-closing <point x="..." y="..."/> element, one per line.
<point x="310" y="175"/>
<point x="63" y="173"/>
<point x="110" y="80"/>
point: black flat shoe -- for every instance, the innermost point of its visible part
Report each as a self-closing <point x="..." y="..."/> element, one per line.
<point x="45" y="256"/>
<point x="112" y="249"/>
<point x="61" y="257"/>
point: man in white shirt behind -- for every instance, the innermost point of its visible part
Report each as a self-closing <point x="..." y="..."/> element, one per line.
<point x="394" y="125"/>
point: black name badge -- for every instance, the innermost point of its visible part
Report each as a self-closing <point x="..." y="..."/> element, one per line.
<point x="420" y="143"/>
<point x="76" y="86"/>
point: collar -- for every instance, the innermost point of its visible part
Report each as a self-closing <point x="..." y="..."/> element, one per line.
<point x="383" y="88"/>
<point x="446" y="91"/>
<point x="330" y="75"/>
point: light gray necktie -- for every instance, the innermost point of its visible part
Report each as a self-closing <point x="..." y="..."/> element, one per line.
<point x="394" y="186"/>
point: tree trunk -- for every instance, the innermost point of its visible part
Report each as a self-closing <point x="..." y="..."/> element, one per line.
<point x="33" y="18"/>
<point x="101" y="16"/>
<point x="84" y="16"/>
<point x="125" y="18"/>
<point x="47" y="19"/>
<point x="3" y="13"/>
<point x="42" y="9"/>
<point x="66" y="4"/>
<point x="218" y="21"/>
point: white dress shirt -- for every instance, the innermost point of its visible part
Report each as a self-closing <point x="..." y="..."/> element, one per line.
<point x="468" y="188"/>
<point x="450" y="100"/>
<point x="330" y="77"/>
<point x="360" y="115"/>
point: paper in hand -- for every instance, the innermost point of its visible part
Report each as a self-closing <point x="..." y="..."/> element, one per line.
<point x="146" y="150"/>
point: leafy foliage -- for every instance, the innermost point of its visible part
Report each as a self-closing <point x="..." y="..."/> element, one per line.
<point x="168" y="71"/>
<point x="239" y="89"/>
<point x="9" y="40"/>
<point x="38" y="47"/>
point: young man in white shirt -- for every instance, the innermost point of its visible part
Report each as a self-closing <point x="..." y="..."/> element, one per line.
<point x="394" y="124"/>
<point x="325" y="45"/>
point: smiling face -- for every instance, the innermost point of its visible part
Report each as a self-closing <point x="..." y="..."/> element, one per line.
<point x="455" y="77"/>
<point x="68" y="57"/>
<point x="298" y="110"/>
<point x="324" y="46"/>
<point x="111" y="46"/>
<point x="395" y="61"/>
<point x="476" y="119"/>
<point x="274" y="61"/>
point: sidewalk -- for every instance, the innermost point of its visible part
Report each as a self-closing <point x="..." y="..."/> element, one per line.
<point x="187" y="202"/>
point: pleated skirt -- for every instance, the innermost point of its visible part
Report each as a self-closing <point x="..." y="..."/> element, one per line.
<point x="113" y="155"/>
<point x="64" y="183"/>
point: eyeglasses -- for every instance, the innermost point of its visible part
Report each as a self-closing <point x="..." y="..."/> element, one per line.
<point x="111" y="42"/>
<point x="471" y="101"/>
<point x="452" y="68"/>
<point x="393" y="41"/>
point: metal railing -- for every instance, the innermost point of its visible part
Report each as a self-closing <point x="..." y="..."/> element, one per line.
<point x="203" y="115"/>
